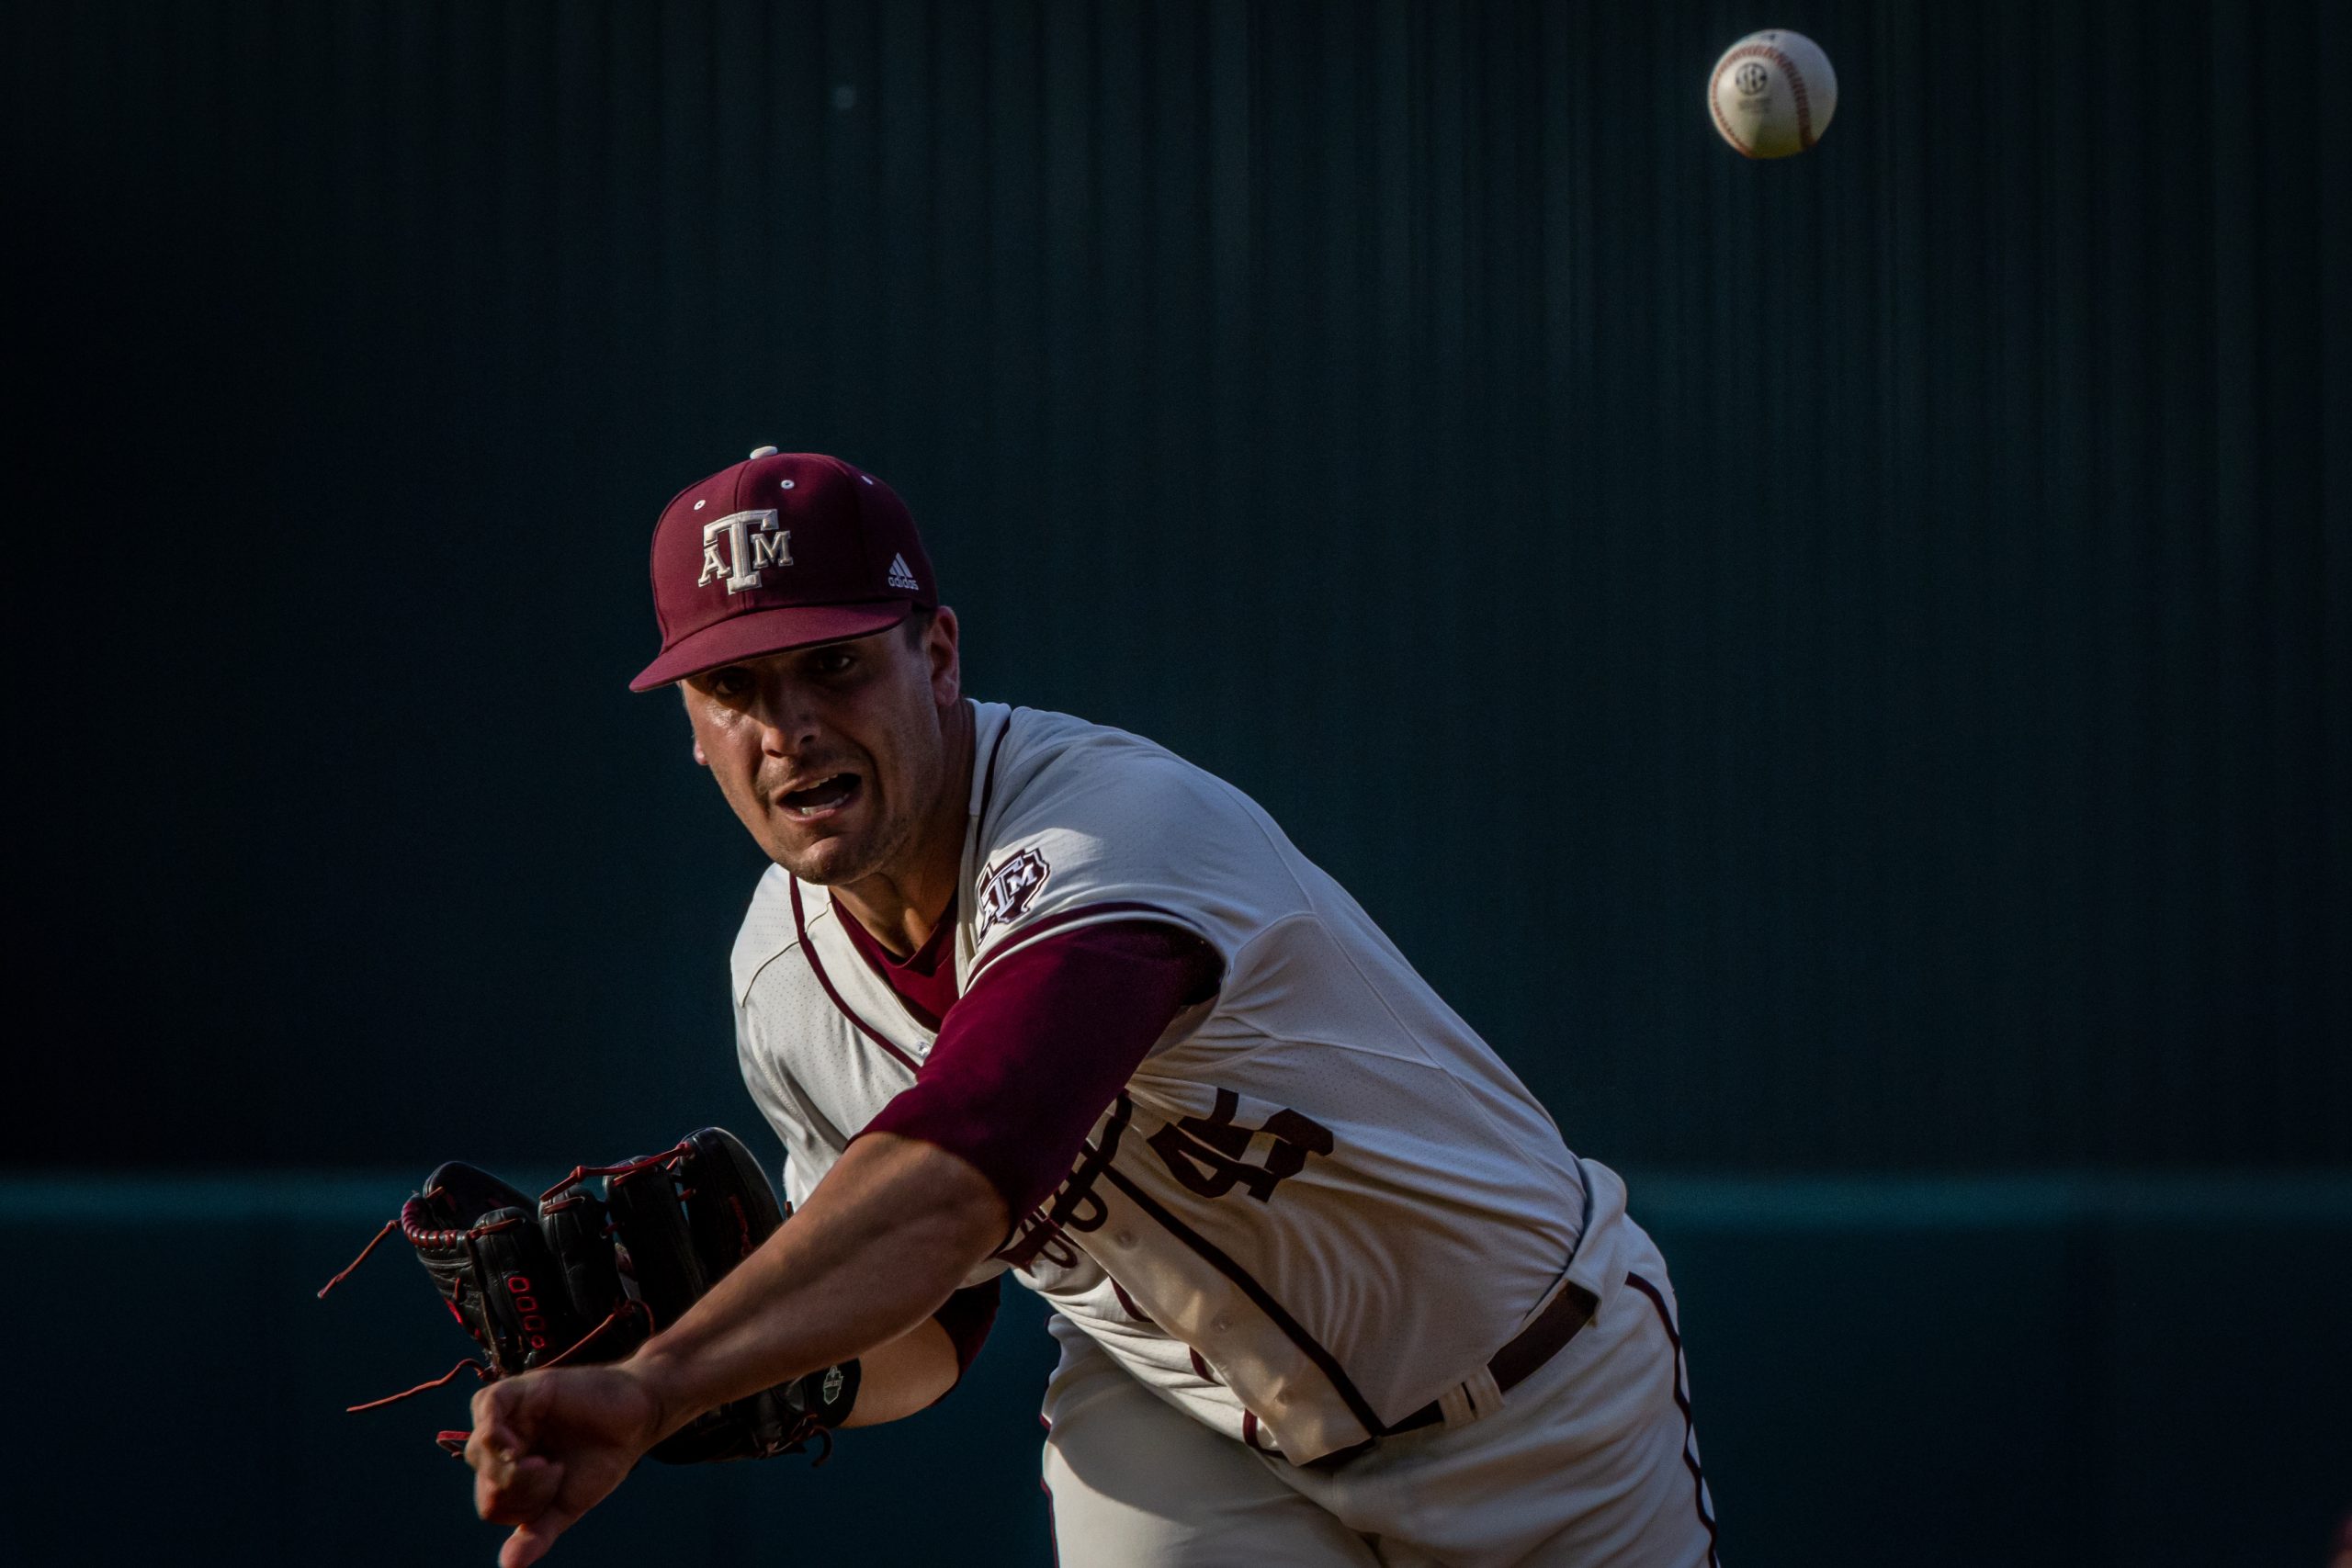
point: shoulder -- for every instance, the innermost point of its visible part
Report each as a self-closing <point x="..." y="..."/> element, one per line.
<point x="1047" y="769"/>
<point x="772" y="927"/>
<point x="1080" y="822"/>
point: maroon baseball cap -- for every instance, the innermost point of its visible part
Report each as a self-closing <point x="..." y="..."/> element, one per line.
<point x="784" y="549"/>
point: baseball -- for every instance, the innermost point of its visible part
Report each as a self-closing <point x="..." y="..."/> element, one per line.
<point x="1772" y="94"/>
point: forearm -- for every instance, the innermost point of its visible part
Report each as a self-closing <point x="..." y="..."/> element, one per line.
<point x="881" y="1243"/>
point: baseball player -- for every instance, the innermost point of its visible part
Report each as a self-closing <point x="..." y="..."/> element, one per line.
<point x="1024" y="993"/>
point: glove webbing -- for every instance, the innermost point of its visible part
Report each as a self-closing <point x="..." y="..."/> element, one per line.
<point x="676" y="1247"/>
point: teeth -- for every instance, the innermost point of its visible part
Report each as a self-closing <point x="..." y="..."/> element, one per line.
<point x="820" y="799"/>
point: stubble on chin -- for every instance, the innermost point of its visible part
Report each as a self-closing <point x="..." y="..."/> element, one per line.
<point x="821" y="864"/>
<point x="834" y="861"/>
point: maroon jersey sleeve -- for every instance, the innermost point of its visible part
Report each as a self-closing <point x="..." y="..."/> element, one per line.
<point x="1027" y="1060"/>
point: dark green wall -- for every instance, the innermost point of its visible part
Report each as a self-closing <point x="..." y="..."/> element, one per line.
<point x="1831" y="664"/>
<point x="1940" y="1374"/>
<point x="1835" y="666"/>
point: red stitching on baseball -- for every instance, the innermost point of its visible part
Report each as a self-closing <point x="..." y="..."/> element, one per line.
<point x="1715" y="105"/>
<point x="1805" y="110"/>
<point x="1796" y="90"/>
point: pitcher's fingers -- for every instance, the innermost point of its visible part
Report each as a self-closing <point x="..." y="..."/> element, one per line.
<point x="530" y="1542"/>
<point x="519" y="1492"/>
<point x="493" y="1451"/>
<point x="498" y="1411"/>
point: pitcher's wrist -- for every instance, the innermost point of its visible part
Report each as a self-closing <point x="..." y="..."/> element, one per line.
<point x="661" y="1377"/>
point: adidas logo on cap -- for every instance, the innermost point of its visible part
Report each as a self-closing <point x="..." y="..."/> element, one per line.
<point x="903" y="578"/>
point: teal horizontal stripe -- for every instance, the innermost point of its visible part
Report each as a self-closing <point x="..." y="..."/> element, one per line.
<point x="112" y="1198"/>
<point x="1913" y="1203"/>
<point x="1666" y="1200"/>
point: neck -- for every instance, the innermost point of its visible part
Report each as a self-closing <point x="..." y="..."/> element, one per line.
<point x="903" y="902"/>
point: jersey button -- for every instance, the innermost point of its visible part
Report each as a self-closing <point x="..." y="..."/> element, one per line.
<point x="1220" y="1323"/>
<point x="1126" y="1238"/>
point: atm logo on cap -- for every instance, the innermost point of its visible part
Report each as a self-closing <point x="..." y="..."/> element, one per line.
<point x="740" y="547"/>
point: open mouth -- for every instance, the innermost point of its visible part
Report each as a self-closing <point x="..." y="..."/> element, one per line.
<point x="824" y="797"/>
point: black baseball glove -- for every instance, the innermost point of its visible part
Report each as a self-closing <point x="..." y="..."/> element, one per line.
<point x="583" y="1276"/>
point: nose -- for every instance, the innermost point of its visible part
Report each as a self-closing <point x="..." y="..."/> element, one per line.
<point x="787" y="719"/>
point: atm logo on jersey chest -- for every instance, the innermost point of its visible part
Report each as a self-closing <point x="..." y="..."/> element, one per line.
<point x="1011" y="888"/>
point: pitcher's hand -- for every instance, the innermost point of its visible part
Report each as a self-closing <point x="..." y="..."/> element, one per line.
<point x="547" y="1447"/>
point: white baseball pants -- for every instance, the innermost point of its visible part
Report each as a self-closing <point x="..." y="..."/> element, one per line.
<point x="1591" y="1462"/>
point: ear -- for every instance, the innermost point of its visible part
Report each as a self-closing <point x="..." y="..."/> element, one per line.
<point x="686" y="701"/>
<point x="943" y="647"/>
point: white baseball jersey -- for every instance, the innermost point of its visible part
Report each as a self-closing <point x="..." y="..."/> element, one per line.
<point x="1320" y="1203"/>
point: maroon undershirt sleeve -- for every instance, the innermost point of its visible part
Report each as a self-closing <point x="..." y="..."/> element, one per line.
<point x="966" y="1317"/>
<point x="1027" y="1061"/>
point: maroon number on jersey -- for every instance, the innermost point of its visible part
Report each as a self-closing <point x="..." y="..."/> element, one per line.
<point x="1205" y="1153"/>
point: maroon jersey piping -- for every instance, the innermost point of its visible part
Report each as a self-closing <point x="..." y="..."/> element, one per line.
<point x="1682" y="1403"/>
<point x="988" y="777"/>
<point x="815" y="966"/>
<point x="1083" y="912"/>
<point x="1313" y="1348"/>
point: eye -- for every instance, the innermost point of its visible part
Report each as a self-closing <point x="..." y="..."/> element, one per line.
<point x="732" y="681"/>
<point x="832" y="661"/>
